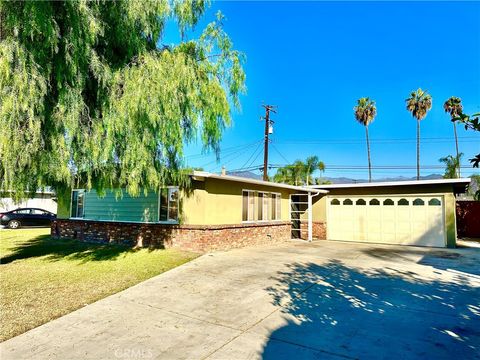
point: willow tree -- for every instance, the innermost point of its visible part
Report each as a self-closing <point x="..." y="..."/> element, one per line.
<point x="365" y="112"/>
<point x="90" y="96"/>
<point x="454" y="107"/>
<point x="419" y="103"/>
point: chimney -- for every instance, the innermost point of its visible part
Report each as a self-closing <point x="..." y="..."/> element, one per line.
<point x="224" y="171"/>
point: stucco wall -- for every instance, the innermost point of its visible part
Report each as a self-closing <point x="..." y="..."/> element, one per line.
<point x="219" y="202"/>
<point x="320" y="204"/>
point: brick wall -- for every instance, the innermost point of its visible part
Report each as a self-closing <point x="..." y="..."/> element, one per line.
<point x="190" y="237"/>
<point x="319" y="230"/>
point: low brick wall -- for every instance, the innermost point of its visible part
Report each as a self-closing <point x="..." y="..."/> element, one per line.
<point x="319" y="230"/>
<point x="190" y="237"/>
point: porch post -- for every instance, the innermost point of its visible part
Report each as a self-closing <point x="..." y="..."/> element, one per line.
<point x="310" y="217"/>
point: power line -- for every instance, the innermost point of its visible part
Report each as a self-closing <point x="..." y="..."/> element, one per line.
<point x="279" y="153"/>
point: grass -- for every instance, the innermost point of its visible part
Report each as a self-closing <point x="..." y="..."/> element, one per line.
<point x="42" y="278"/>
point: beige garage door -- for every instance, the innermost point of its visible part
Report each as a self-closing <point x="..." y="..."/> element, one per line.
<point x="405" y="220"/>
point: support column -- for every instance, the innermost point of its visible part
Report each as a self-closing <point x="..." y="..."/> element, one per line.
<point x="310" y="217"/>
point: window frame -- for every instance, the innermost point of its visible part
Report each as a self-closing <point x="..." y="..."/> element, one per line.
<point x="76" y="210"/>
<point x="267" y="204"/>
<point x="168" y="221"/>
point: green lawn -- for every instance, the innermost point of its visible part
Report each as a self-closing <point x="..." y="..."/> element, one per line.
<point x="42" y="278"/>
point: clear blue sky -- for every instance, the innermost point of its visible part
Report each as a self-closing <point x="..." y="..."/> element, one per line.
<point x="314" y="59"/>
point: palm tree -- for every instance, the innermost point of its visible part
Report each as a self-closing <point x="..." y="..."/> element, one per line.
<point x="454" y="107"/>
<point x="365" y="112"/>
<point x="312" y="163"/>
<point x="451" y="165"/>
<point x="419" y="103"/>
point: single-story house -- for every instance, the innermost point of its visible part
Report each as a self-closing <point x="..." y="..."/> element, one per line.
<point x="45" y="200"/>
<point x="223" y="211"/>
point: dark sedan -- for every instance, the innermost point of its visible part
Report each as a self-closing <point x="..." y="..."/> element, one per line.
<point x="26" y="217"/>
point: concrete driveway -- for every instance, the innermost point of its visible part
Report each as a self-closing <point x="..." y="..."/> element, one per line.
<point x="321" y="300"/>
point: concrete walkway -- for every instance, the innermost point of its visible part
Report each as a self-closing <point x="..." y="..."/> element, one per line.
<point x="322" y="300"/>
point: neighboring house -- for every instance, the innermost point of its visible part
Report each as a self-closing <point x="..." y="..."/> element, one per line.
<point x="223" y="211"/>
<point x="45" y="200"/>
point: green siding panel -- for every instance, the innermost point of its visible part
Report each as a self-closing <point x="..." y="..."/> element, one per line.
<point x="124" y="208"/>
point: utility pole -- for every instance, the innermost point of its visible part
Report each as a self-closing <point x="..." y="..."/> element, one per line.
<point x="268" y="124"/>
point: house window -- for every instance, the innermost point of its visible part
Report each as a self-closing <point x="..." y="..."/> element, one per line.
<point x="388" y="202"/>
<point x="248" y="209"/>
<point x="169" y="199"/>
<point x="78" y="204"/>
<point x="374" y="202"/>
<point x="347" y="202"/>
<point x="360" y="202"/>
<point x="260" y="206"/>
<point x="403" y="202"/>
<point x="335" y="202"/>
<point x="276" y="206"/>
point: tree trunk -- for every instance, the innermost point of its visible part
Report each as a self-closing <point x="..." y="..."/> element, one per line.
<point x="456" y="148"/>
<point x="418" y="149"/>
<point x="368" y="153"/>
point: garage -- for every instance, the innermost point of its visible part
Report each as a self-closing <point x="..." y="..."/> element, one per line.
<point x="416" y="213"/>
<point x="404" y="220"/>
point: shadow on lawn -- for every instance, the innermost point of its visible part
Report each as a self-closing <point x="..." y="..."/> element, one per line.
<point x="338" y="310"/>
<point x="59" y="249"/>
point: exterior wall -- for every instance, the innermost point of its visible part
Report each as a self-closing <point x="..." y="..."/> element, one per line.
<point x="40" y="201"/>
<point x="319" y="230"/>
<point x="143" y="208"/>
<point x="189" y="237"/>
<point x="219" y="202"/>
<point x="320" y="205"/>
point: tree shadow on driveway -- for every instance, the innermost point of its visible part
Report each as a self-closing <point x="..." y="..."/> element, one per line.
<point x="337" y="310"/>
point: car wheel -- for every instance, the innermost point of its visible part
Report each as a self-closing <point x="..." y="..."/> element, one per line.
<point x="14" y="224"/>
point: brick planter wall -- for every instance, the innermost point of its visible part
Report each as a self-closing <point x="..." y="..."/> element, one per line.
<point x="190" y="237"/>
<point x="319" y="230"/>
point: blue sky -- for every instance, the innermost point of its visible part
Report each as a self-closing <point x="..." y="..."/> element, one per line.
<point x="314" y="59"/>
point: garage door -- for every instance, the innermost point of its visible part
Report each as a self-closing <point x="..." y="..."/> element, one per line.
<point x="405" y="220"/>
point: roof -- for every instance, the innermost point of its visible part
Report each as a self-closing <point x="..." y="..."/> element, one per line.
<point x="457" y="183"/>
<point x="198" y="175"/>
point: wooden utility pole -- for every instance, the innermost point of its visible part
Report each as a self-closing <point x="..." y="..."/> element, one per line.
<point x="268" y="123"/>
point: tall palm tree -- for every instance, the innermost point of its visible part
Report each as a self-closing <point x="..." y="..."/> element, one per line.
<point x="454" y="107"/>
<point x="365" y="111"/>
<point x="419" y="103"/>
<point x="312" y="163"/>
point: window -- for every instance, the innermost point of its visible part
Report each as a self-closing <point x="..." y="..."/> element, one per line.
<point x="22" y="211"/>
<point x="276" y="206"/>
<point x="388" y="202"/>
<point x="38" y="212"/>
<point x="347" y="202"/>
<point x="418" y="202"/>
<point x="374" y="202"/>
<point x="248" y="208"/>
<point x="434" y="202"/>
<point x="169" y="199"/>
<point x="360" y="202"/>
<point x="78" y="203"/>
<point x="335" y="202"/>
<point x="260" y="206"/>
<point x="403" y="202"/>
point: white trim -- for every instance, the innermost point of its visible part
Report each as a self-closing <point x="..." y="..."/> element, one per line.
<point x="465" y="181"/>
<point x="203" y="174"/>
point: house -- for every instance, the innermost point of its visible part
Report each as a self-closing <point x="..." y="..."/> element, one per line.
<point x="223" y="211"/>
<point x="45" y="200"/>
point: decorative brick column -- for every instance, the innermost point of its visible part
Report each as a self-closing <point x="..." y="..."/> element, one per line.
<point x="200" y="238"/>
<point x="319" y="230"/>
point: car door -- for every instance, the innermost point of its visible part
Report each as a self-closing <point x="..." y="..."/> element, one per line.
<point x="22" y="215"/>
<point x="39" y="217"/>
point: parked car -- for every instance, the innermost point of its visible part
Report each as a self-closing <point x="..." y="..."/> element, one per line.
<point x="15" y="219"/>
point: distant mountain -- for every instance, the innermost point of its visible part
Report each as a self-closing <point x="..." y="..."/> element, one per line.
<point x="342" y="180"/>
<point x="245" y="174"/>
<point x="345" y="180"/>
